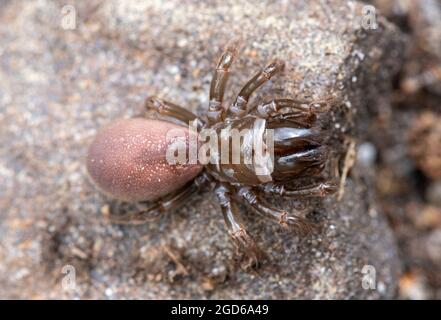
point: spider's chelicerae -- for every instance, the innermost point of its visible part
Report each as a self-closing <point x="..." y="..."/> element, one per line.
<point x="128" y="161"/>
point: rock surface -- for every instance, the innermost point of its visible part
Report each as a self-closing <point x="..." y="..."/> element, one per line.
<point x="59" y="86"/>
<point x="408" y="151"/>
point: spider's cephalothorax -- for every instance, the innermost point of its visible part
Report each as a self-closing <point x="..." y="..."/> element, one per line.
<point x="127" y="159"/>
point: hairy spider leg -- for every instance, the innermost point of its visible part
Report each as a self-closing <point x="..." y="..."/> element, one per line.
<point x="234" y="223"/>
<point x="320" y="189"/>
<point x="165" y="108"/>
<point x="253" y="200"/>
<point x="239" y="106"/>
<point x="216" y="111"/>
<point x="273" y="107"/>
<point x="168" y="203"/>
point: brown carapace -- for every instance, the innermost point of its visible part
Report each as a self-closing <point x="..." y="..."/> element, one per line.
<point x="127" y="159"/>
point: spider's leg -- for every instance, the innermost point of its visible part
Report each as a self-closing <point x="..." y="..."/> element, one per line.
<point x="293" y="106"/>
<point x="273" y="107"/>
<point x="168" y="203"/>
<point x="239" y="107"/>
<point x="317" y="190"/>
<point x="168" y="109"/>
<point x="297" y="112"/>
<point x="297" y="118"/>
<point x="298" y="223"/>
<point x="216" y="111"/>
<point x="234" y="223"/>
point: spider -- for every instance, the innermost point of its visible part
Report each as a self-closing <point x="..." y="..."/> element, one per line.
<point x="127" y="158"/>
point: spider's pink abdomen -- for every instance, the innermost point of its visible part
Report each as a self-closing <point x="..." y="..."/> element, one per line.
<point x="127" y="160"/>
